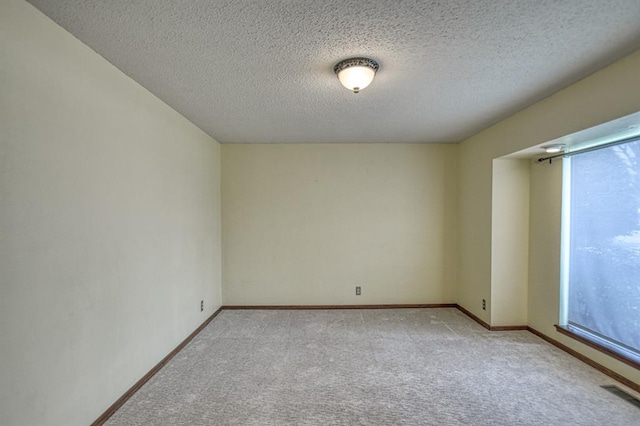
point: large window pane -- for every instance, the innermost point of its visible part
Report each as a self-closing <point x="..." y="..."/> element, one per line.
<point x="604" y="244"/>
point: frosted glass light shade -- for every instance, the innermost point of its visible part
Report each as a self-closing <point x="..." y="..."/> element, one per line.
<point x="356" y="78"/>
<point x="356" y="73"/>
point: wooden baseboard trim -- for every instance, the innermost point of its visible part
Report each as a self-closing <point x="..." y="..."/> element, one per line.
<point x="128" y="394"/>
<point x="567" y="332"/>
<point x="329" y="307"/>
<point x="628" y="383"/>
<point x="473" y="317"/>
<point x="491" y="327"/>
<point x="508" y="328"/>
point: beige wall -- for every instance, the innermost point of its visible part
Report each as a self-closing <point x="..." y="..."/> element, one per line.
<point x="544" y="246"/>
<point x="604" y="96"/>
<point x="109" y="226"/>
<point x="305" y="224"/>
<point x="509" y="242"/>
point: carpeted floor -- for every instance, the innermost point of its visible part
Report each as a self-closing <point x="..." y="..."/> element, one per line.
<point x="371" y="367"/>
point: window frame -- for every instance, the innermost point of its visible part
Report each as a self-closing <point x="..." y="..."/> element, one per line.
<point x="564" y="326"/>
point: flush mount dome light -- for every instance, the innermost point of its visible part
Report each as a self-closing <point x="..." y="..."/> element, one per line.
<point x="356" y="73"/>
<point x="552" y="149"/>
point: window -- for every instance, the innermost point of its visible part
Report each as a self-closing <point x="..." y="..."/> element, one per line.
<point x="601" y="247"/>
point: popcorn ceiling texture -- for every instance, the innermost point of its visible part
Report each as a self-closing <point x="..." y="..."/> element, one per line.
<point x="261" y="71"/>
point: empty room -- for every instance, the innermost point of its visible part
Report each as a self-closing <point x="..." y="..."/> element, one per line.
<point x="297" y="212"/>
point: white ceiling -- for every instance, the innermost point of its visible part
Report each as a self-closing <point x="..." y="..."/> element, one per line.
<point x="260" y="71"/>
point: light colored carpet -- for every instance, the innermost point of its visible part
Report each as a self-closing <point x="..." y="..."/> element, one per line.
<point x="371" y="367"/>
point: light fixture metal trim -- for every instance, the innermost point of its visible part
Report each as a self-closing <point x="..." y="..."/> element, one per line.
<point x="356" y="62"/>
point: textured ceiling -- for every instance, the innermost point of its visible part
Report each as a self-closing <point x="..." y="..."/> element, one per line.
<point x="261" y="71"/>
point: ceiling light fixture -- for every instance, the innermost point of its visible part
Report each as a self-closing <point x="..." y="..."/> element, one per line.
<point x="356" y="73"/>
<point x="552" y="149"/>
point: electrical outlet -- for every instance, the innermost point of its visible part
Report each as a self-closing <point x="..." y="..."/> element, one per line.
<point x="484" y="305"/>
<point x="201" y="305"/>
<point x="358" y="291"/>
